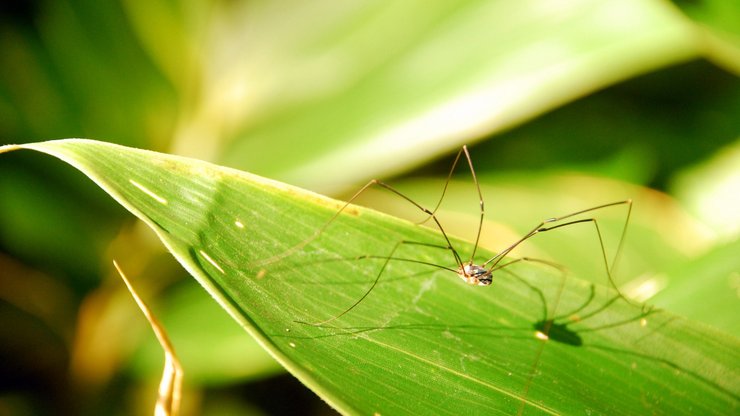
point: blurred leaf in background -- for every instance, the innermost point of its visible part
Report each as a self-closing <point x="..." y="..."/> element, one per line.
<point x="327" y="95"/>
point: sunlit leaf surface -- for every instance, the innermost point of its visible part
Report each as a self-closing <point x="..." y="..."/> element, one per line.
<point x="382" y="85"/>
<point x="422" y="342"/>
<point x="713" y="298"/>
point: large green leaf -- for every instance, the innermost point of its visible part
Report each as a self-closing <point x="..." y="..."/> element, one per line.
<point x="380" y="85"/>
<point x="422" y="342"/>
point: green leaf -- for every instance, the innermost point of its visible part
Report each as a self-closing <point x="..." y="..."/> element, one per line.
<point x="718" y="27"/>
<point x="706" y="288"/>
<point x="422" y="342"/>
<point x="380" y="86"/>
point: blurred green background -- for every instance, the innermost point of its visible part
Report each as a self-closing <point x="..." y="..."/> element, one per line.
<point x="565" y="105"/>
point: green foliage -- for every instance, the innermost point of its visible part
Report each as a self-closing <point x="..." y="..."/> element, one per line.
<point x="421" y="334"/>
<point x="326" y="96"/>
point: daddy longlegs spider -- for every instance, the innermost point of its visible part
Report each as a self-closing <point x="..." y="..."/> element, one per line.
<point x="472" y="273"/>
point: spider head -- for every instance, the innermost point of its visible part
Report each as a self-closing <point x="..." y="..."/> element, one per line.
<point x="473" y="274"/>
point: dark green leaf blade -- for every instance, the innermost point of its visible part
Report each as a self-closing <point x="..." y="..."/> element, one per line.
<point x="422" y="342"/>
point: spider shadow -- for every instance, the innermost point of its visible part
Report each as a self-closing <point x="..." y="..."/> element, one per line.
<point x="561" y="328"/>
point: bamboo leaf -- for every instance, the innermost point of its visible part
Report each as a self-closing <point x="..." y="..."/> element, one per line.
<point x="423" y="342"/>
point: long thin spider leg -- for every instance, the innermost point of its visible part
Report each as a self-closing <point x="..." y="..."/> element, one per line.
<point x="535" y="229"/>
<point x="627" y="202"/>
<point x="290" y="251"/>
<point x="463" y="150"/>
<point x="380" y="273"/>
<point x="622" y="237"/>
<point x="418" y="243"/>
<point x="554" y="265"/>
<point x="447" y="183"/>
<point x="496" y="259"/>
<point x="480" y="202"/>
<point x="427" y="263"/>
<point x="609" y="273"/>
<point x="458" y="260"/>
<point x="320" y="230"/>
<point x="541" y="228"/>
